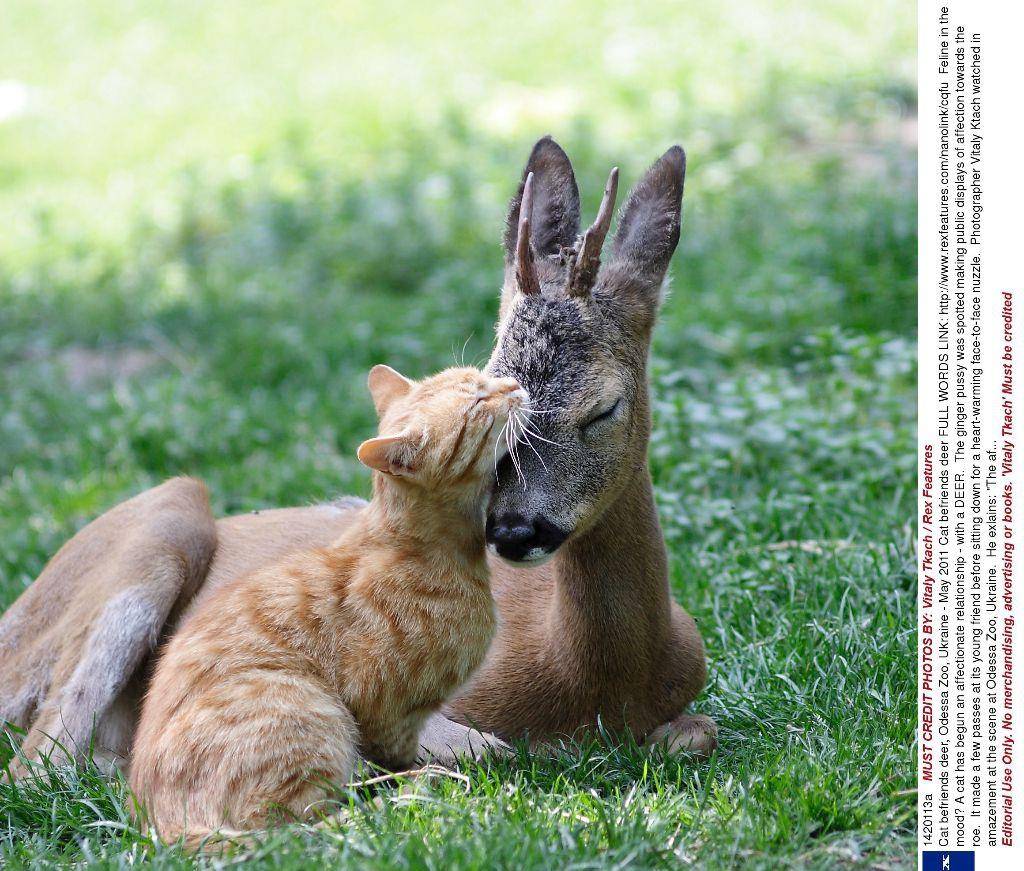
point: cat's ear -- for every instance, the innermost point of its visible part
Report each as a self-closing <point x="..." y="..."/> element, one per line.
<point x="386" y="385"/>
<point x="393" y="455"/>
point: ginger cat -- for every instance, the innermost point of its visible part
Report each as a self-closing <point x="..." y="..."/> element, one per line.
<point x="275" y="686"/>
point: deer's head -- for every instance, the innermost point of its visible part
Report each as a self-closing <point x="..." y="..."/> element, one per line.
<point x="575" y="332"/>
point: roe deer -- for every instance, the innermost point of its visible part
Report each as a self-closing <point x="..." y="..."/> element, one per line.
<point x="587" y="627"/>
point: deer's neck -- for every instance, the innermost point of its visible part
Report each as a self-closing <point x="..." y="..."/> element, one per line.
<point x="611" y="599"/>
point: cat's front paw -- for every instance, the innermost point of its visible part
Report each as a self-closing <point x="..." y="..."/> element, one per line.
<point x="446" y="742"/>
<point x="687" y="733"/>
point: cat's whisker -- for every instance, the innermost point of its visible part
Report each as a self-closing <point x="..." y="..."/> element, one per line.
<point x="553" y="409"/>
<point x="513" y="450"/>
<point x="527" y="432"/>
<point x="518" y="468"/>
<point x="522" y="440"/>
<point x="513" y="453"/>
<point x="502" y="437"/>
<point x="510" y="437"/>
<point x="532" y="432"/>
<point x="459" y="357"/>
<point x="529" y="444"/>
<point x="529" y="412"/>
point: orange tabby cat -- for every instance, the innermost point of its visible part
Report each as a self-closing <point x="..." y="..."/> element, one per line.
<point x="279" y="682"/>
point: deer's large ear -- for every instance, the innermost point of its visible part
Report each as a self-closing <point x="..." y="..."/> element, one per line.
<point x="649" y="225"/>
<point x="555" y="217"/>
<point x="386" y="385"/>
<point x="393" y="455"/>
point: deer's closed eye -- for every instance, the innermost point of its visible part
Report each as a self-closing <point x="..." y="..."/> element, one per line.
<point x="604" y="414"/>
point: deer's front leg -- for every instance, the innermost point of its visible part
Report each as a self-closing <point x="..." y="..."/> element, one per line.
<point x="444" y="741"/>
<point x="687" y="733"/>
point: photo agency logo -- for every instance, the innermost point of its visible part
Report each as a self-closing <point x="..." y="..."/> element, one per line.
<point x="946" y="860"/>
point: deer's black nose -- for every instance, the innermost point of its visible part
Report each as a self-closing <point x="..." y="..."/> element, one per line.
<point x="517" y="539"/>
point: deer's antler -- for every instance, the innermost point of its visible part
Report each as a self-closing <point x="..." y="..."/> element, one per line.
<point x="583" y="273"/>
<point x="526" y="269"/>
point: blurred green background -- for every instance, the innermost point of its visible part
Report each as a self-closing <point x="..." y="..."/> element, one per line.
<point x="217" y="216"/>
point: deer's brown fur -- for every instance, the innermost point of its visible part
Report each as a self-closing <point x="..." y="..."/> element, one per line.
<point x="591" y="633"/>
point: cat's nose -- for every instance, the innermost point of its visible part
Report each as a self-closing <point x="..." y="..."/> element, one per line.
<point x="517" y="397"/>
<point x="508" y="387"/>
<point x="517" y="539"/>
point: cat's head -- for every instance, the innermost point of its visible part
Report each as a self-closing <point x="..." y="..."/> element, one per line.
<point x="443" y="433"/>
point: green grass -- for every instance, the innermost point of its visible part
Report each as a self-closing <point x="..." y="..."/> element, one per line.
<point x="221" y="216"/>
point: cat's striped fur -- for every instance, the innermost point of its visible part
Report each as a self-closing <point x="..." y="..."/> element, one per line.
<point x="274" y="686"/>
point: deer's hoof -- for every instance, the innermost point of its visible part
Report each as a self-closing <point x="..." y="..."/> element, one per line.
<point x="687" y="733"/>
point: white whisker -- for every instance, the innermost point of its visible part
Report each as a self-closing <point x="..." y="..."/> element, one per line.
<point x="519" y="441"/>
<point x="514" y="452"/>
<point x="525" y="430"/>
<point x="510" y="441"/>
<point x="532" y="432"/>
<point x="503" y="435"/>
<point x="517" y="467"/>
